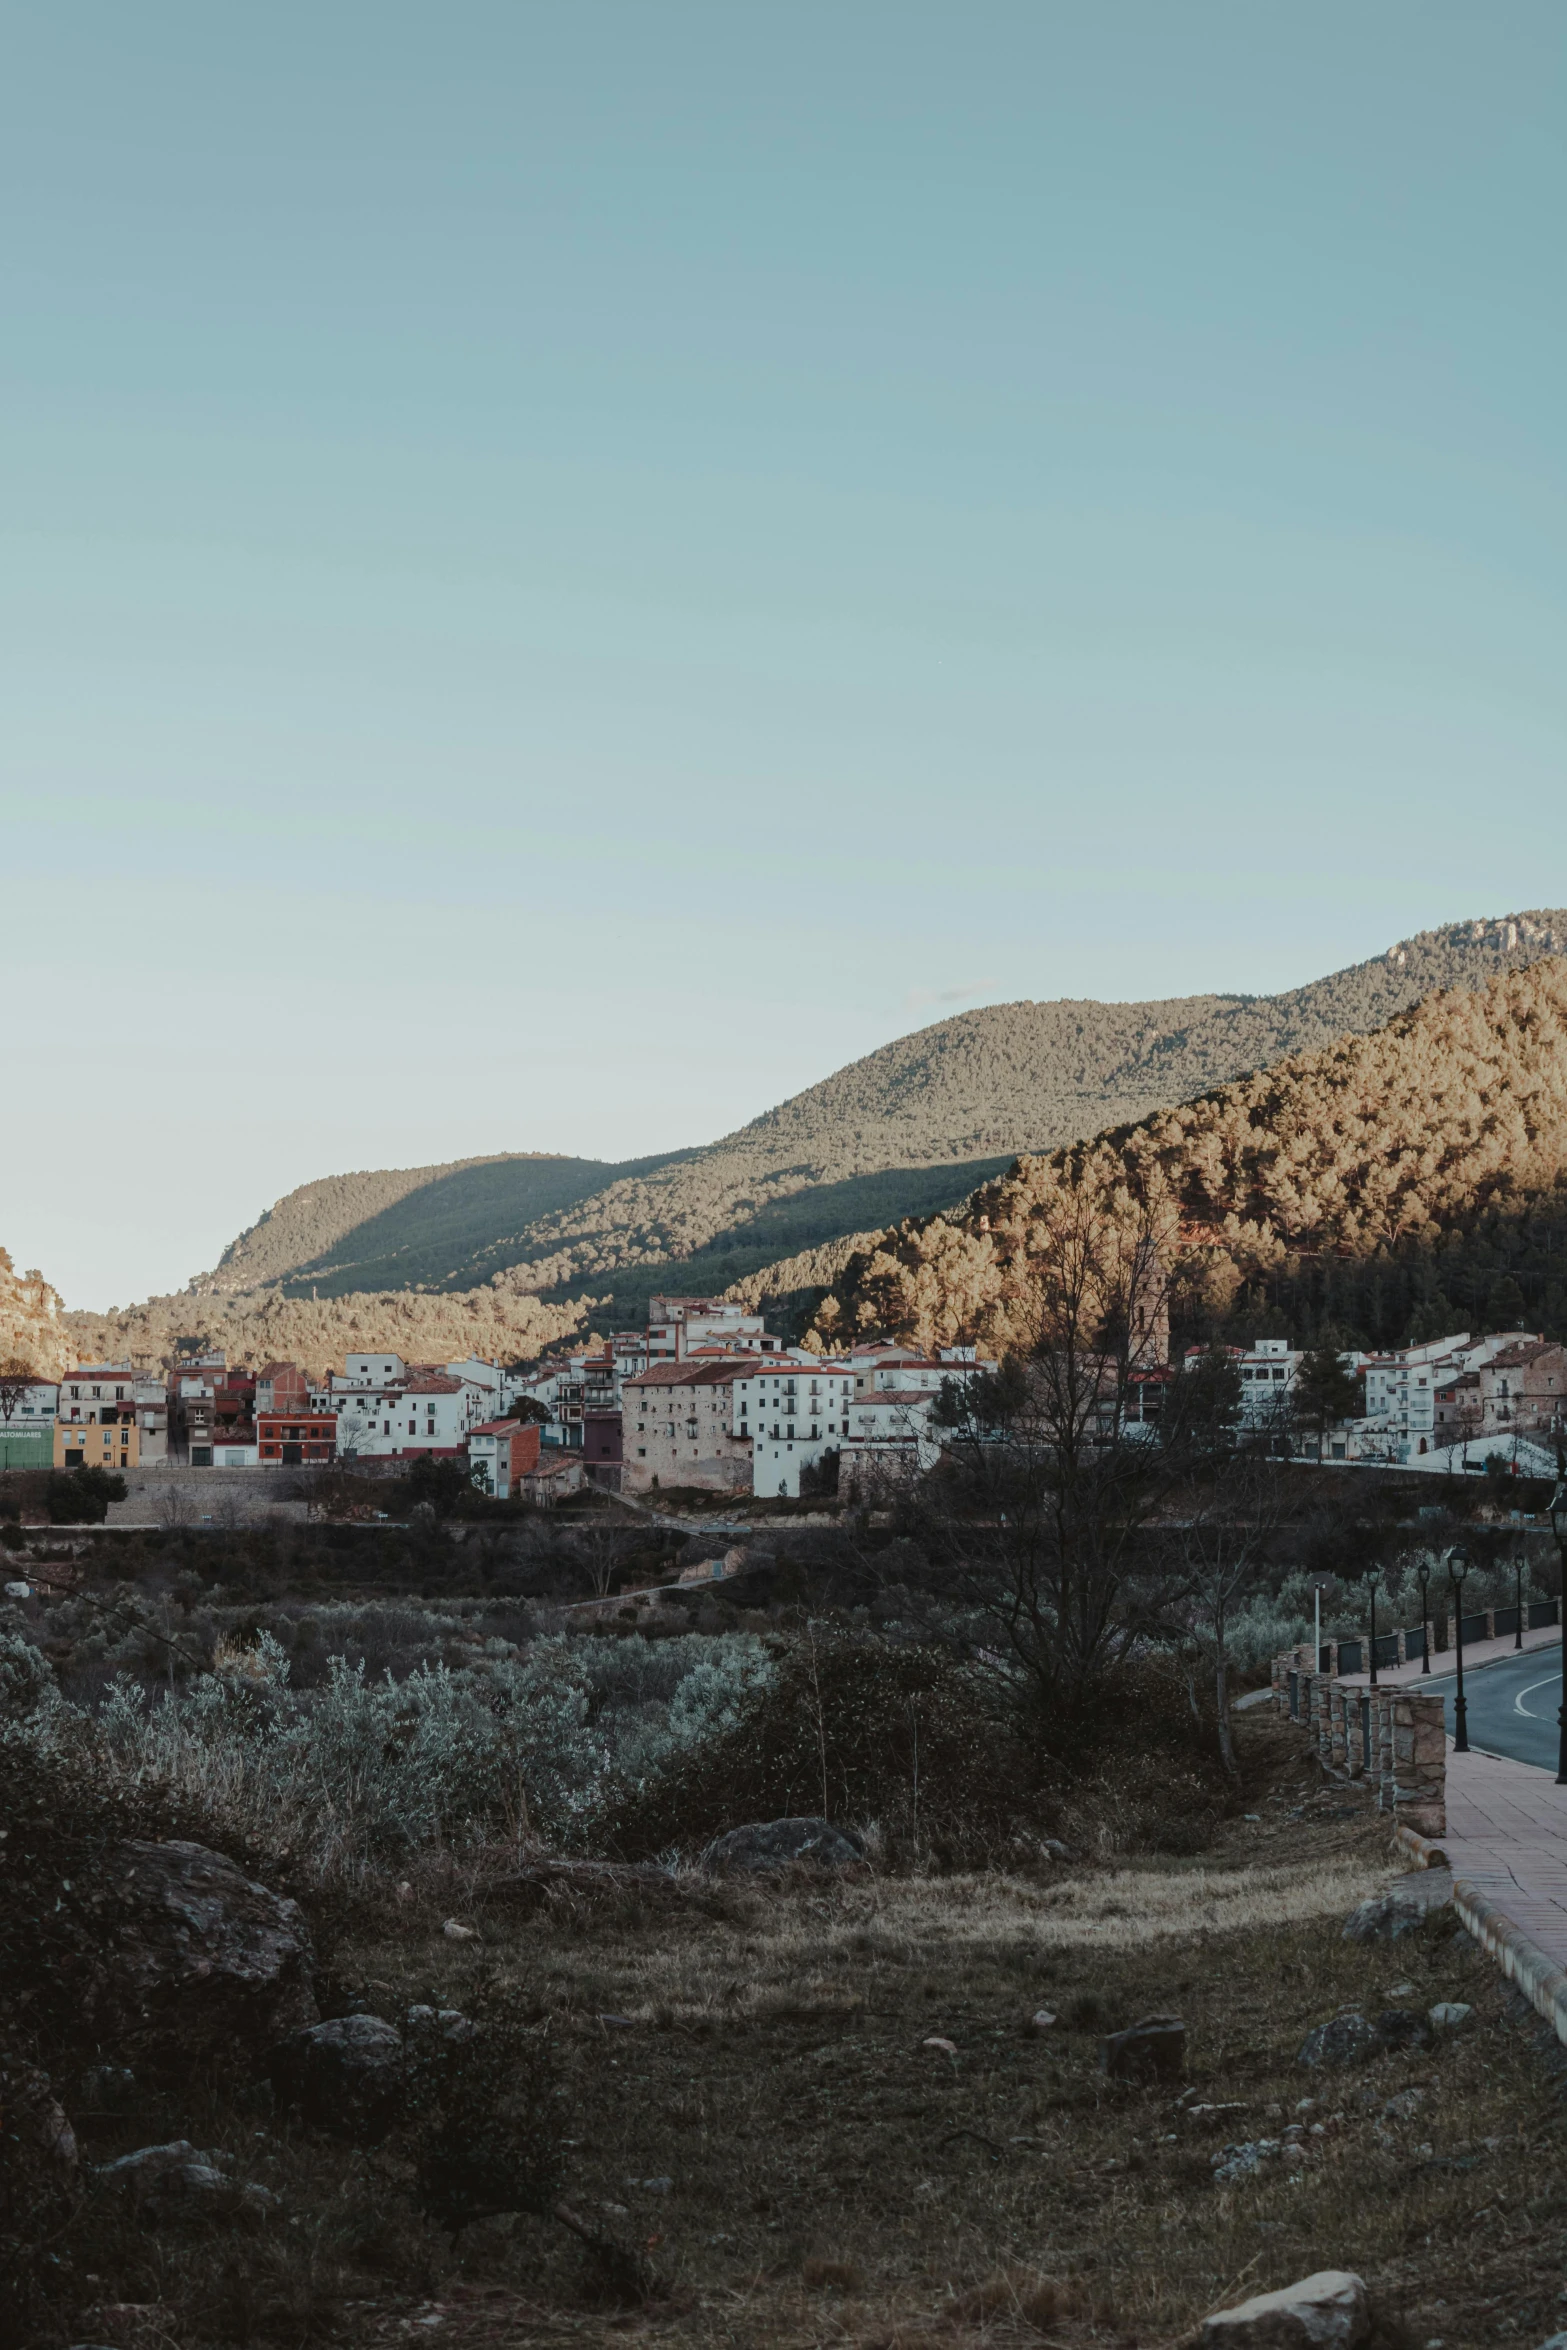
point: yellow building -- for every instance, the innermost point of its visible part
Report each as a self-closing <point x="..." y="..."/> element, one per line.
<point x="109" y="1443"/>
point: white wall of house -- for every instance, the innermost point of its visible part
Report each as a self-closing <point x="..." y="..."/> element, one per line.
<point x="382" y="1421"/>
<point x="376" y="1370"/>
<point x="793" y="1414"/>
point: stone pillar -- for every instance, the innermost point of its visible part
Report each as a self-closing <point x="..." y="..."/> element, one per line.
<point x="1382" y="1757"/>
<point x="1338" y="1734"/>
<point x="1314" y="1688"/>
<point x="1420" y="1763"/>
<point x="1402" y="1657"/>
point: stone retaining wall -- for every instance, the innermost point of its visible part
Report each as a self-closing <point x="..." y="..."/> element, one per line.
<point x="1394" y="1737"/>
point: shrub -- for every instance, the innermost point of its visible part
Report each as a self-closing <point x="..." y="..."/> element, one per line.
<point x="859" y="1729"/>
<point x="487" y="2123"/>
<point x="81" y="1497"/>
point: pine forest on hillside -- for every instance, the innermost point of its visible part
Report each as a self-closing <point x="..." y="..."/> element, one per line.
<point x="1383" y="1190"/>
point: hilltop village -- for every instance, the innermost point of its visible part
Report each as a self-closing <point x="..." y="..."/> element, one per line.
<point x="705" y="1399"/>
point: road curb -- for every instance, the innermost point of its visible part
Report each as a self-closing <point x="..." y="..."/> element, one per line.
<point x="1426" y="1852"/>
<point x="1542" y="1981"/>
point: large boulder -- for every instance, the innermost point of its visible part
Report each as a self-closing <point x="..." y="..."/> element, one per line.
<point x="1328" y="2311"/>
<point x="345" y="2075"/>
<point x="160" y="2180"/>
<point x="766" y="1845"/>
<point x="1347" y="2039"/>
<point x="1388" y="1917"/>
<point x="200" y="1953"/>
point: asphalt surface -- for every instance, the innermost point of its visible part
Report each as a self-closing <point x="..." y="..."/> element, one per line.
<point x="1511" y="1704"/>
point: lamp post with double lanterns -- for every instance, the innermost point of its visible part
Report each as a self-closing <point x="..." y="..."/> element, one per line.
<point x="1556" y="1508"/>
<point x="1423" y="1578"/>
<point x="1457" y="1569"/>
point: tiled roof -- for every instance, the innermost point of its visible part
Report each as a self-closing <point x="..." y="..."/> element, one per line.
<point x="692" y="1374"/>
<point x="494" y="1427"/>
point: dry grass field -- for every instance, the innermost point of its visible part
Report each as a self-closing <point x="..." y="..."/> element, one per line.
<point x="823" y="2114"/>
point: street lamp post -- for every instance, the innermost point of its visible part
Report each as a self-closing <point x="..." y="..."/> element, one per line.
<point x="1371" y="1582"/>
<point x="1557" y="1507"/>
<point x="1518" y="1566"/>
<point x="1457" y="1569"/>
<point x="1423" y="1578"/>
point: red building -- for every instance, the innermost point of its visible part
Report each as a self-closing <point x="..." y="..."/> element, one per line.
<point x="290" y="1439"/>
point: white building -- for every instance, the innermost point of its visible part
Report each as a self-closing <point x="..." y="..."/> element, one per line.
<point x="423" y="1413"/>
<point x="793" y="1411"/>
<point x="34" y="1410"/>
<point x="1417" y="1396"/>
<point x="558" y="1388"/>
<point x="675" y="1325"/>
<point x="893" y="1435"/>
<point x="372" y="1370"/>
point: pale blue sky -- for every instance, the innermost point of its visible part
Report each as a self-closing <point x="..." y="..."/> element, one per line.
<point x="565" y="570"/>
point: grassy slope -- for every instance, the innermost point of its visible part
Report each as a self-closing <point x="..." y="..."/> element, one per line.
<point x="832" y="2177"/>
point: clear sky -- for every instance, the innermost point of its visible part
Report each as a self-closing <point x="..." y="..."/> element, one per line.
<point x="566" y="570"/>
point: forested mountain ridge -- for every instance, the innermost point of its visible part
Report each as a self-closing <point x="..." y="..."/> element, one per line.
<point x="1402" y="1178"/>
<point x="965" y="1095"/>
<point x="514" y="1251"/>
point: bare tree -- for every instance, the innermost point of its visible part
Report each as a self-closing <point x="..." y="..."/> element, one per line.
<point x="600" y="1550"/>
<point x="16" y="1377"/>
<point x="174" y="1507"/>
<point x="1053" y="1483"/>
<point x="1218" y="1533"/>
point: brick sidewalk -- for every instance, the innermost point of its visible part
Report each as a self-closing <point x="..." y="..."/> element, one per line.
<point x="1507" y="1836"/>
<point x="1506" y="1821"/>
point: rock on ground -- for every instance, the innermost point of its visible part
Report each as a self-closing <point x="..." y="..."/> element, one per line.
<point x="1386" y="1918"/>
<point x="1328" y="2311"/>
<point x="781" y="1844"/>
<point x="200" y="1950"/>
<point x="1354" y="2038"/>
<point x="345" y="2075"/>
<point x="177" y="2176"/>
<point x="1155" y="2046"/>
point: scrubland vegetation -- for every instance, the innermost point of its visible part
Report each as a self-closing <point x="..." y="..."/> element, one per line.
<point x="810" y="2107"/>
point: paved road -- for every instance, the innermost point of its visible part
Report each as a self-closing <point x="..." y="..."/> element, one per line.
<point x="1511" y="1705"/>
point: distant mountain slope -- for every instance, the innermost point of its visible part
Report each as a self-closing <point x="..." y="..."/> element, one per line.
<point x="991" y="1083"/>
<point x="909" y="1128"/>
<point x="456" y="1228"/>
<point x="354" y="1217"/>
<point x="1378" y="1179"/>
